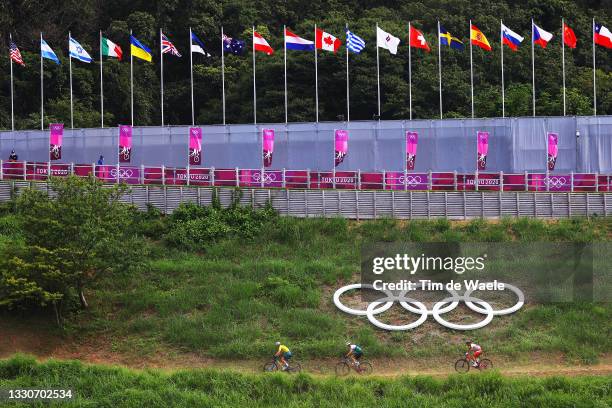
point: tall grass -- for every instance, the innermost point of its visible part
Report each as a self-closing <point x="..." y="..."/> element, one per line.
<point x="100" y="386"/>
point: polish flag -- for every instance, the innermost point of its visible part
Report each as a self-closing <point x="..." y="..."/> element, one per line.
<point x="261" y="44"/>
<point x="326" y="41"/>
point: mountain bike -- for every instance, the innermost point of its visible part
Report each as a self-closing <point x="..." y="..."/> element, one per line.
<point x="464" y="364"/>
<point x="275" y="365"/>
<point x="344" y="367"/>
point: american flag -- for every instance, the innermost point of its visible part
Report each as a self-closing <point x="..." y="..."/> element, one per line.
<point x="168" y="47"/>
<point x="14" y="53"/>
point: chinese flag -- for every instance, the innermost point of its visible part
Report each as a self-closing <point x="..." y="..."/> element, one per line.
<point x="417" y="39"/>
<point x="569" y="37"/>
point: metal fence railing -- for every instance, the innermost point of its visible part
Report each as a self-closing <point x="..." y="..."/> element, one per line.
<point x="308" y="179"/>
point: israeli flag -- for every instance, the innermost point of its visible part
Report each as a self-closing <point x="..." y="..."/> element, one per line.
<point x="354" y="43"/>
<point x="47" y="52"/>
<point x="77" y="51"/>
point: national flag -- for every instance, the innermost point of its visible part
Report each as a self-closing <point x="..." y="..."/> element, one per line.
<point x="602" y="36"/>
<point x="233" y="45"/>
<point x="354" y="43"/>
<point x="47" y="52"/>
<point x="110" y="49"/>
<point x="478" y="38"/>
<point x="510" y="38"/>
<point x="447" y="39"/>
<point x="294" y="42"/>
<point x="541" y="37"/>
<point x="168" y="47"/>
<point x="386" y="41"/>
<point x="326" y="41"/>
<point x="260" y="44"/>
<point x="139" y="50"/>
<point x="15" y="54"/>
<point x="569" y="38"/>
<point x="77" y="51"/>
<point x="198" y="46"/>
<point x="417" y="39"/>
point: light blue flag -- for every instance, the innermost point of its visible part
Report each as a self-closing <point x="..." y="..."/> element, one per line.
<point x="78" y="52"/>
<point x="47" y="52"/>
<point x="354" y="43"/>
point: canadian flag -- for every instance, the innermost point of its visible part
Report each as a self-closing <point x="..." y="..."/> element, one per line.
<point x="260" y="44"/>
<point x="326" y="41"/>
<point x="417" y="39"/>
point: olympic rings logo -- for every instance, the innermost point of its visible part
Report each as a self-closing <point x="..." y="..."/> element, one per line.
<point x="555" y="182"/>
<point x="412" y="181"/>
<point x="267" y="177"/>
<point x="414" y="306"/>
<point x="123" y="173"/>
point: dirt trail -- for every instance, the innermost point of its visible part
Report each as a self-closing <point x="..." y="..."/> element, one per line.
<point x="17" y="338"/>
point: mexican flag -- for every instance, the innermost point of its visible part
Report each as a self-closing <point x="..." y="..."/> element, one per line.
<point x="110" y="49"/>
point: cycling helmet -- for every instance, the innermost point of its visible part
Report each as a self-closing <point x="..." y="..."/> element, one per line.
<point x="348" y="343"/>
<point x="277" y="343"/>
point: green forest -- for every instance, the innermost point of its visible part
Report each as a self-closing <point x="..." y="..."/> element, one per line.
<point x="25" y="19"/>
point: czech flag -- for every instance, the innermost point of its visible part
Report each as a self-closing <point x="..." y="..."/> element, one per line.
<point x="541" y="37"/>
<point x="602" y="36"/>
<point x="479" y="39"/>
<point x="510" y="38"/>
<point x="293" y="42"/>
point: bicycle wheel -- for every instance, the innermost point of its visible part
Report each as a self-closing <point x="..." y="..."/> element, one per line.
<point x="270" y="367"/>
<point x="295" y="368"/>
<point x="485" y="364"/>
<point x="365" y="368"/>
<point x="342" y="368"/>
<point x="462" y="365"/>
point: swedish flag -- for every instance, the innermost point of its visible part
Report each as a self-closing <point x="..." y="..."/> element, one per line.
<point x="447" y="39"/>
<point x="139" y="50"/>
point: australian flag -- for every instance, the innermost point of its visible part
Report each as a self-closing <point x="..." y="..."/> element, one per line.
<point x="233" y="45"/>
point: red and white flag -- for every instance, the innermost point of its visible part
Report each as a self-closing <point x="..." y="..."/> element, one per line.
<point x="261" y="44"/>
<point x="326" y="41"/>
<point x="602" y="36"/>
<point x="417" y="39"/>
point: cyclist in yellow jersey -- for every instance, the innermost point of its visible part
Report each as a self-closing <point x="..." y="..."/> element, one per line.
<point x="283" y="353"/>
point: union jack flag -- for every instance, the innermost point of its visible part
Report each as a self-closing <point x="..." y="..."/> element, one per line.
<point x="14" y="53"/>
<point x="168" y="47"/>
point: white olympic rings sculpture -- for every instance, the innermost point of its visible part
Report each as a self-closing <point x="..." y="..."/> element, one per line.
<point x="123" y="173"/>
<point x="410" y="180"/>
<point x="267" y="177"/>
<point x="556" y="182"/>
<point x="412" y="305"/>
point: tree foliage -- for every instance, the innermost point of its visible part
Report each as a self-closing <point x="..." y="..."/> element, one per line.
<point x="25" y="20"/>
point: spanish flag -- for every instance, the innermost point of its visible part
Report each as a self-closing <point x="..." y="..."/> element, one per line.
<point x="479" y="39"/>
<point x="140" y="50"/>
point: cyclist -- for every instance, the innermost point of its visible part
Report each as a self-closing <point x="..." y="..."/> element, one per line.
<point x="354" y="353"/>
<point x="284" y="354"/>
<point x="476" y="351"/>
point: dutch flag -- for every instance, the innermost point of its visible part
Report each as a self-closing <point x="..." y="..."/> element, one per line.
<point x="293" y="42"/>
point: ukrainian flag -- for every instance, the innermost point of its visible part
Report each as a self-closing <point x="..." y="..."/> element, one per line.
<point x="139" y="50"/>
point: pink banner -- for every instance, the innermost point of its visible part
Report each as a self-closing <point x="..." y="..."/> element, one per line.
<point x="483" y="150"/>
<point x="267" y="146"/>
<point x="412" y="139"/>
<point x="125" y="143"/>
<point x="55" y="141"/>
<point x="195" y="146"/>
<point x="553" y="149"/>
<point x="341" y="146"/>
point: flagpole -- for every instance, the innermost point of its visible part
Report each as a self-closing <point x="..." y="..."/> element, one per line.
<point x="501" y="48"/>
<point x="70" y="70"/>
<point x="161" y="58"/>
<point x="254" y="82"/>
<point x="316" y="78"/>
<point x="532" y="72"/>
<point x="12" y="108"/>
<point x="285" y="48"/>
<point x="594" y="78"/>
<point x="348" y="105"/>
<point x="410" y="70"/>
<point x="440" y="67"/>
<point x="101" y="86"/>
<point x="471" y="69"/>
<point x="223" y="74"/>
<point x="131" y="81"/>
<point x="563" y="60"/>
<point x="42" y="105"/>
<point x="377" y="71"/>
<point x="191" y="76"/>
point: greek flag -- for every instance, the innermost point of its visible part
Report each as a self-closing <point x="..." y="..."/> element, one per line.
<point x="354" y="43"/>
